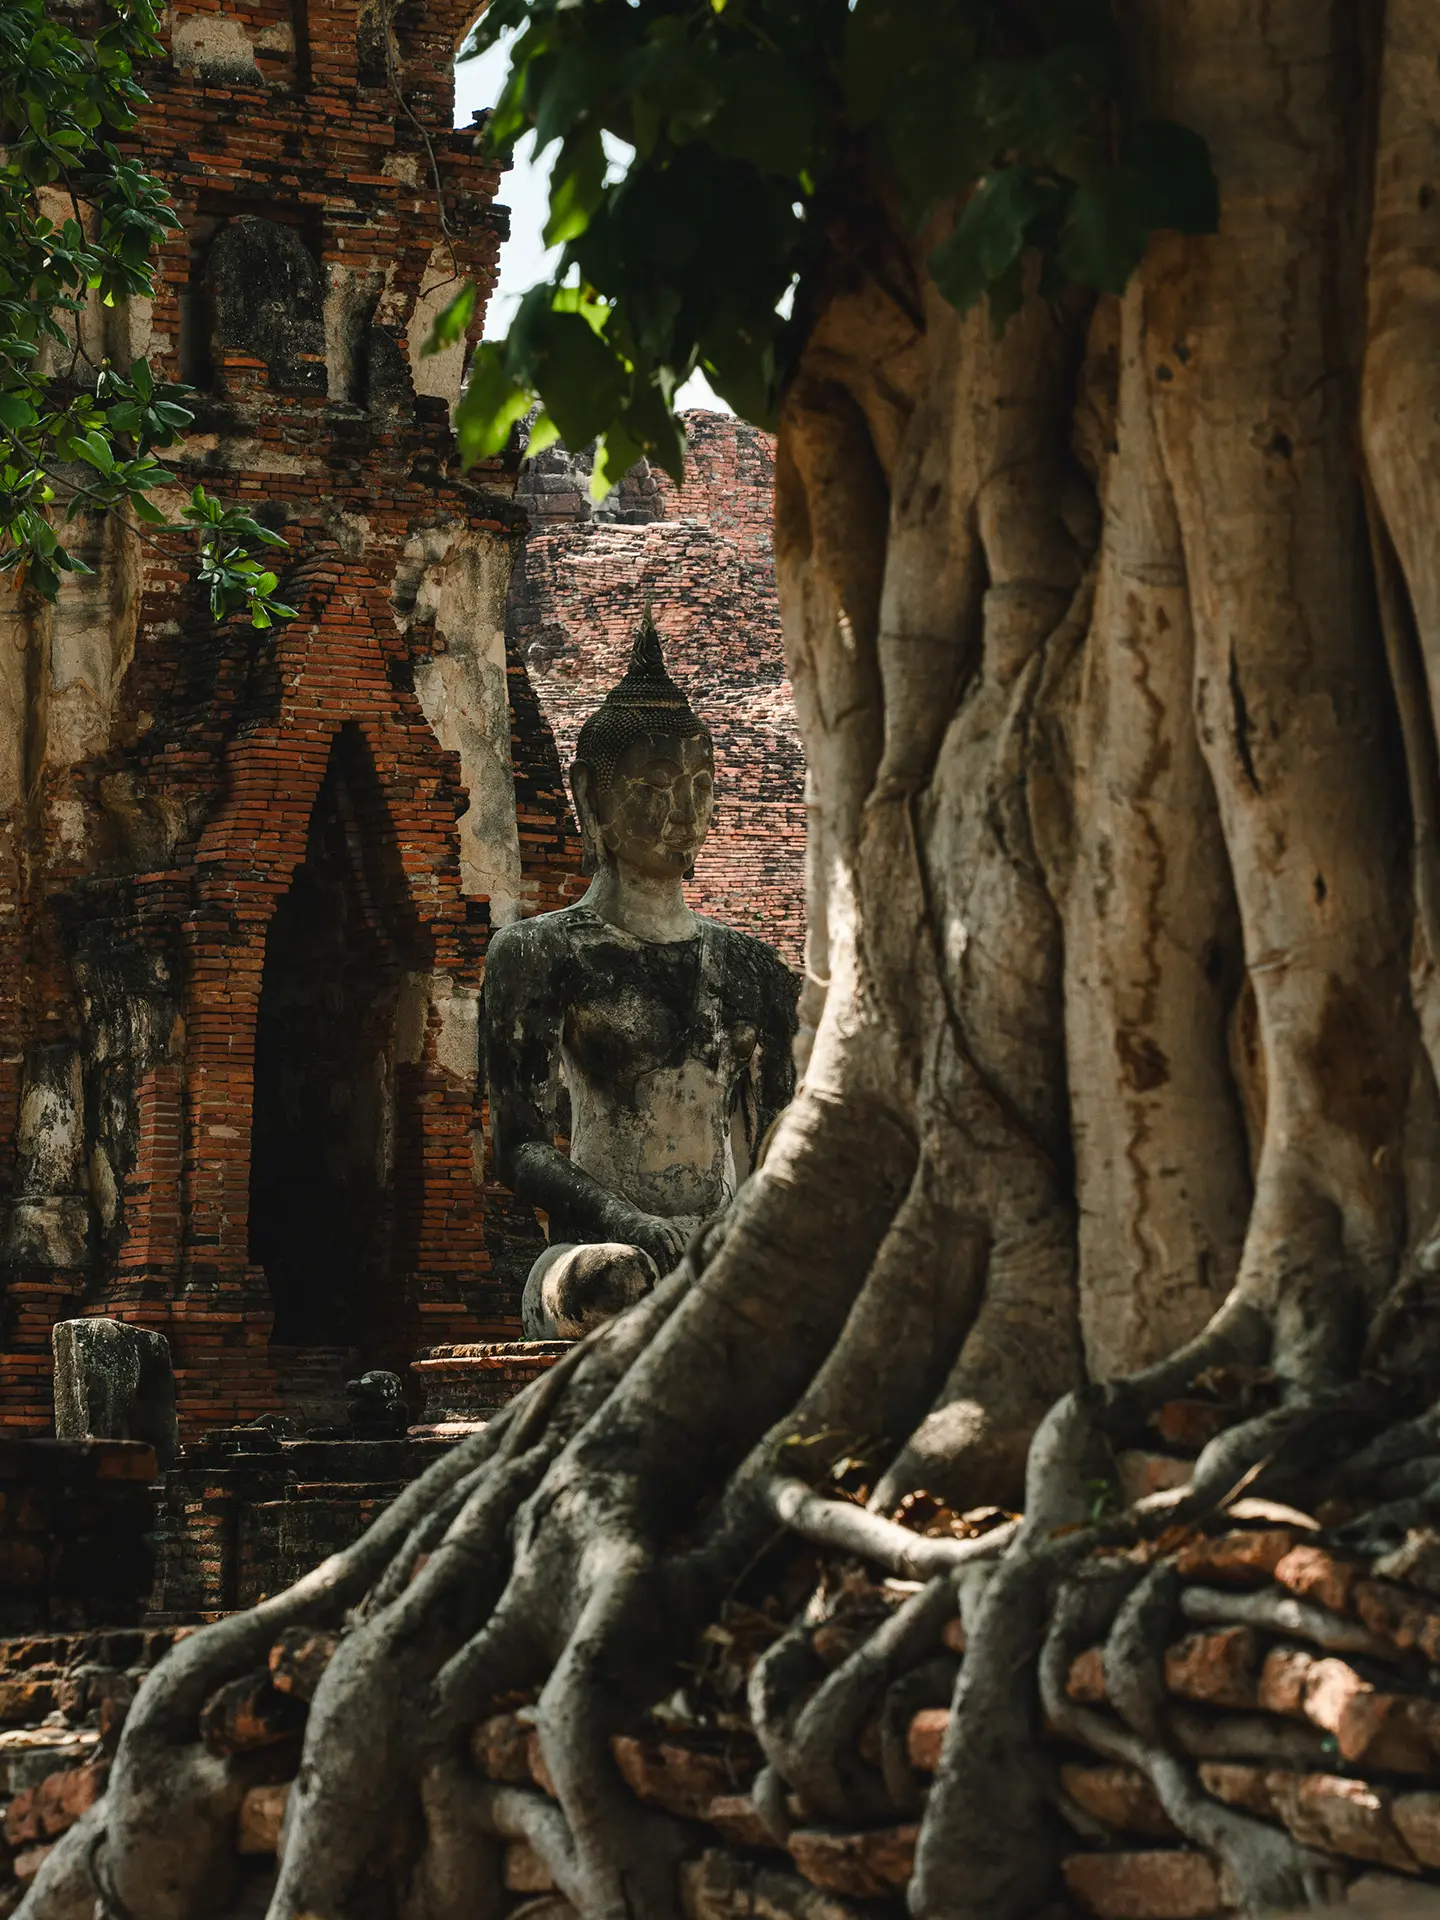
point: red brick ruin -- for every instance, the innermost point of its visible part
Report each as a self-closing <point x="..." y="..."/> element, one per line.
<point x="247" y="877"/>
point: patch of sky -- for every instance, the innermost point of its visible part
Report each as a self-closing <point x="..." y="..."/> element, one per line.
<point x="525" y="189"/>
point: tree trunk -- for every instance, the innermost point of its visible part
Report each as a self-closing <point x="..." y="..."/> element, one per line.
<point x="1115" y="642"/>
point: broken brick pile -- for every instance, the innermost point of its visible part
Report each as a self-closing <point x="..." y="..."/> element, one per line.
<point x="1306" y="1696"/>
<point x="1303" y="1695"/>
<point x="702" y="557"/>
<point x="63" y="1701"/>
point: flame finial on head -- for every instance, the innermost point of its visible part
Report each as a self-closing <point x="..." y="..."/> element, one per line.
<point x="645" y="705"/>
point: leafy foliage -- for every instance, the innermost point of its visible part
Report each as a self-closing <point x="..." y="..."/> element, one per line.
<point x="773" y="144"/>
<point x="79" y="219"/>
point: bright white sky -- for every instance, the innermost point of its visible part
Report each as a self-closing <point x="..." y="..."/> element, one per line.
<point x="524" y="258"/>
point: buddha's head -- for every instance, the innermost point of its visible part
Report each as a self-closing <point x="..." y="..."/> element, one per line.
<point x="644" y="772"/>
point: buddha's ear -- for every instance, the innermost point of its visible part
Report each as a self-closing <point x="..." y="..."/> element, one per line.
<point x="592" y="849"/>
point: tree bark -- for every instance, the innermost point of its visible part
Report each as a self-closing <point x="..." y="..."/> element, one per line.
<point x="1115" y="642"/>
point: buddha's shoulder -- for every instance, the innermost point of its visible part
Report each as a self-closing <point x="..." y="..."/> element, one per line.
<point x="751" y="958"/>
<point x="545" y="935"/>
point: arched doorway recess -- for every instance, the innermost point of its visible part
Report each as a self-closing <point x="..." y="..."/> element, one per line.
<point x="334" y="1107"/>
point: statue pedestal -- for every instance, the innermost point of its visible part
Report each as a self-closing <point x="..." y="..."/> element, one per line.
<point x="468" y="1385"/>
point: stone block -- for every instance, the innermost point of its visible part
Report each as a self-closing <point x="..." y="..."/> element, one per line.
<point x="500" y="1748"/>
<point x="299" y="1658"/>
<point x="524" y="1871"/>
<point x="1118" y="1797"/>
<point x="1283" y="1674"/>
<point x="1217" y="1667"/>
<point x="1389" y="1732"/>
<point x="1177" y="1884"/>
<point x="29" y="1861"/>
<point x="262" y="1815"/>
<point x="1397" y="1616"/>
<point x="114" y="1382"/>
<point x="1247" y="1556"/>
<point x="1329" y="1688"/>
<point x="736" y="1817"/>
<point x="249" y="1713"/>
<point x="1335" y="1815"/>
<point x="1415" y="1563"/>
<point x="1142" y="1474"/>
<point x="1190" y="1424"/>
<point x="1312" y="1574"/>
<point x="1239" y="1785"/>
<point x="868" y="1865"/>
<point x="61" y="1798"/>
<point x="22" y="1818"/>
<point x="682" y="1779"/>
<point x="1085" y="1682"/>
<point x="1417" y="1821"/>
<point x="926" y="1737"/>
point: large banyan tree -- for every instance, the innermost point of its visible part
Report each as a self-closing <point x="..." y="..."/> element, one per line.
<point x="1108" y="490"/>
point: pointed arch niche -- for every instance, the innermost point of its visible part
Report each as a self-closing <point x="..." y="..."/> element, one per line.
<point x="336" y="1119"/>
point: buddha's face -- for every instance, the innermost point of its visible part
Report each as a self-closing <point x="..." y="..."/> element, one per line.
<point x="656" y="811"/>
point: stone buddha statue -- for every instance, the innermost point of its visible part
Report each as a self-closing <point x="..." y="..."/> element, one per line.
<point x="670" y="1033"/>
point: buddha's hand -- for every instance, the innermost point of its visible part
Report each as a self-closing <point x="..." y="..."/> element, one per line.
<point x="664" y="1240"/>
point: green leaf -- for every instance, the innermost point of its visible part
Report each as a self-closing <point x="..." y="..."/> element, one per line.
<point x="16" y="412"/>
<point x="615" y="453"/>
<point x="990" y="234"/>
<point x="490" y="405"/>
<point x="577" y="185"/>
<point x="451" y="322"/>
<point x="543" y="434"/>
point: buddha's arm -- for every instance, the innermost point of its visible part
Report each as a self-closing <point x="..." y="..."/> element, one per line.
<point x="524" y="1026"/>
<point x="776" y="1048"/>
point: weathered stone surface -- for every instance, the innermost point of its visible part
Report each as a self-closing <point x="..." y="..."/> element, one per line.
<point x="720" y="1886"/>
<point x="1141" y="1474"/>
<point x="1240" y="1786"/>
<point x="682" y="1779"/>
<point x="1397" y="1616"/>
<point x="29" y="1861"/>
<point x="867" y="1865"/>
<point x="1189" y="1424"/>
<point x="735" y="1816"/>
<point x="114" y="1382"/>
<point x="1174" y="1885"/>
<point x="1283" y="1676"/>
<point x="1392" y="1733"/>
<point x="926" y="1737"/>
<point x="249" y="1713"/>
<point x="262" y="1815"/>
<point x="1086" y="1680"/>
<point x="1218" y="1667"/>
<point x="1348" y="1817"/>
<point x="1119" y="1797"/>
<point x="1415" y="1563"/>
<point x="501" y="1748"/>
<point x="299" y="1658"/>
<point x="1310" y="1573"/>
<point x="1329" y="1689"/>
<point x="1245" y="1556"/>
<point x="524" y="1871"/>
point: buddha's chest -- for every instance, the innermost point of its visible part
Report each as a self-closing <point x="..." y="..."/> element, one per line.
<point x="668" y="1009"/>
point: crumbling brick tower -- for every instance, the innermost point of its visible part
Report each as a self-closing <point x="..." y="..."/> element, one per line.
<point x="245" y="878"/>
